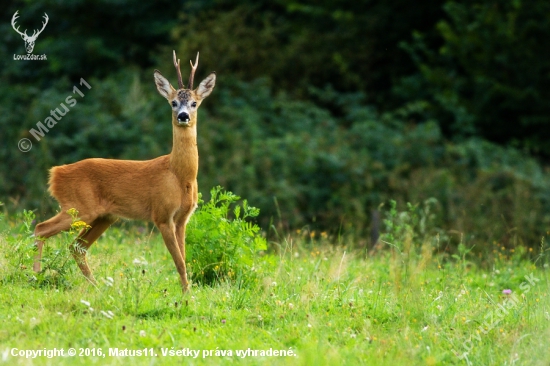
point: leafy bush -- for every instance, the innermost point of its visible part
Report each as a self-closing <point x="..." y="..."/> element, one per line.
<point x="489" y="75"/>
<point x="416" y="224"/>
<point x="56" y="257"/>
<point x="221" y="244"/>
<point x="296" y="161"/>
<point x="330" y="173"/>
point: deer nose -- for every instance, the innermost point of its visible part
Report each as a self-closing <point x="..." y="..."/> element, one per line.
<point x="183" y="117"/>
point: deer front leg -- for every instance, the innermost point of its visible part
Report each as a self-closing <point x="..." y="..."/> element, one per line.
<point x="168" y="232"/>
<point x="180" y="228"/>
<point x="180" y="238"/>
<point x="184" y="216"/>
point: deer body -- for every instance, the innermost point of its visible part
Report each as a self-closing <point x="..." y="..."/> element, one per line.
<point x="162" y="190"/>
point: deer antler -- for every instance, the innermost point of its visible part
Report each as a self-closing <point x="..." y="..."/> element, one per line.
<point x="15" y="16"/>
<point x="193" y="69"/>
<point x="177" y="66"/>
<point x="43" y="26"/>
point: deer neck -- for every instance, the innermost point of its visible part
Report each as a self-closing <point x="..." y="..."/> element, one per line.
<point x="184" y="158"/>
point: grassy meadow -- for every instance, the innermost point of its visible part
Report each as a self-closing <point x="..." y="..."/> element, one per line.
<point x="314" y="299"/>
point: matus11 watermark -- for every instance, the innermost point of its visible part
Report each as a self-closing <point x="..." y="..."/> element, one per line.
<point x="25" y="144"/>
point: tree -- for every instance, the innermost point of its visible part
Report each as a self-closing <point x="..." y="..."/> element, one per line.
<point x="491" y="75"/>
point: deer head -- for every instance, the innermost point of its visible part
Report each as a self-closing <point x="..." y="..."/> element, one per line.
<point x="185" y="101"/>
<point x="29" y="40"/>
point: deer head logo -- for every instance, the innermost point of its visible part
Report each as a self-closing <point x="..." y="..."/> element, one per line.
<point x="29" y="40"/>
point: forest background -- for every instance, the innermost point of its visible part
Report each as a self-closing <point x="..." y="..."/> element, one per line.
<point x="323" y="112"/>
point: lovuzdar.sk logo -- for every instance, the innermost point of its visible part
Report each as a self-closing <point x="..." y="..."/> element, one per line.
<point x="29" y="40"/>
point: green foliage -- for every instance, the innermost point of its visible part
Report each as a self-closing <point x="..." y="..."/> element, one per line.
<point x="324" y="171"/>
<point x="119" y="40"/>
<point x="413" y="225"/>
<point x="57" y="262"/>
<point x="20" y="247"/>
<point x="221" y="244"/>
<point x="351" y="45"/>
<point x="331" y="172"/>
<point x="293" y="121"/>
<point x="489" y="75"/>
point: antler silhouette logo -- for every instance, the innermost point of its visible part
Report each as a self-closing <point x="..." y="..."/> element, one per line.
<point x="29" y="40"/>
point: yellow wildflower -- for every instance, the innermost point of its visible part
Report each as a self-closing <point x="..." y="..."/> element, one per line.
<point x="80" y="225"/>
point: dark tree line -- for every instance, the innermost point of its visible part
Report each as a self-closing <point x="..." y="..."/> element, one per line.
<point x="327" y="107"/>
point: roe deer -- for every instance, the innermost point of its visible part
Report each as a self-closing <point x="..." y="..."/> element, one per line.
<point x="162" y="190"/>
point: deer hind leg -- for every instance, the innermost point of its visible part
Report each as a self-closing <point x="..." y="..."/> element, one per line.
<point x="168" y="232"/>
<point x="61" y="221"/>
<point x="85" y="239"/>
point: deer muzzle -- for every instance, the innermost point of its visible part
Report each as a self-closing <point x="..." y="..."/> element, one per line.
<point x="183" y="119"/>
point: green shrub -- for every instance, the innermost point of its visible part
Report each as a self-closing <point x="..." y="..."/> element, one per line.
<point x="221" y="244"/>
<point x="415" y="225"/>
<point x="56" y="259"/>
<point x="17" y="239"/>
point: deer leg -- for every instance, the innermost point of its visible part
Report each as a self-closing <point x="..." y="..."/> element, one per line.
<point x="180" y="238"/>
<point x="170" y="240"/>
<point x="83" y="242"/>
<point x="181" y="221"/>
<point x="61" y="221"/>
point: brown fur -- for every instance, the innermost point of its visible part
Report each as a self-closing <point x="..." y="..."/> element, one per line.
<point x="162" y="190"/>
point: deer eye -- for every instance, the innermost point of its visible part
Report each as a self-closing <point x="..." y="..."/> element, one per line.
<point x="194" y="104"/>
<point x="174" y="103"/>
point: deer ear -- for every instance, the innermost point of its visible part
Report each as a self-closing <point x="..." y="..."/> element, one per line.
<point x="163" y="85"/>
<point x="206" y="86"/>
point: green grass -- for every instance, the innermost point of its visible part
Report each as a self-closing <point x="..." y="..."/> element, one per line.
<point x="327" y="304"/>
